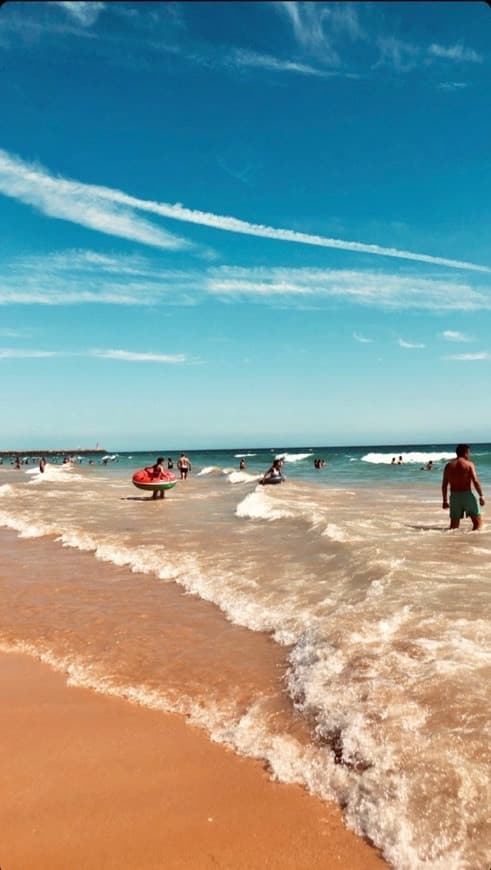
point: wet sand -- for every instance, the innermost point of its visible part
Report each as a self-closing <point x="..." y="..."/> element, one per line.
<point x="93" y="781"/>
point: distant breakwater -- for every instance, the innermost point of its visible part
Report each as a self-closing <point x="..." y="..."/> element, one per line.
<point x="79" y="451"/>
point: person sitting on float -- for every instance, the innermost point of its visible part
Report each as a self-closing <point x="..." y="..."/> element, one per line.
<point x="273" y="474"/>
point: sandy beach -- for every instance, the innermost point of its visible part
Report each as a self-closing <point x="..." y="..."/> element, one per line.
<point x="91" y="781"/>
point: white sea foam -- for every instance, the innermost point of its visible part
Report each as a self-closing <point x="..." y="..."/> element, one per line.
<point x="336" y="533"/>
<point x="410" y="457"/>
<point x="54" y="474"/>
<point x="258" y="506"/>
<point x="242" y="455"/>
<point x="26" y="527"/>
<point x="6" y="489"/>
<point x="405" y="765"/>
<point x="293" y="457"/>
<point x="243" y="477"/>
<point x="208" y="469"/>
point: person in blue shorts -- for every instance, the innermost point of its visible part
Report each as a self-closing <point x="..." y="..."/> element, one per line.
<point x="460" y="475"/>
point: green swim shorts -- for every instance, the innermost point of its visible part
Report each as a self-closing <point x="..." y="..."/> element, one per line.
<point x="463" y="503"/>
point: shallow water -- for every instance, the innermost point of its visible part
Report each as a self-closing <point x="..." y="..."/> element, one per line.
<point x="328" y="625"/>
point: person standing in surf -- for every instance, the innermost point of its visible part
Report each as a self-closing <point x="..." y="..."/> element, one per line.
<point x="460" y="475"/>
<point x="157" y="473"/>
<point x="184" y="466"/>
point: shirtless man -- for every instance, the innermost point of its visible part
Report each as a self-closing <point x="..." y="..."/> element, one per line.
<point x="460" y="474"/>
<point x="184" y="466"/>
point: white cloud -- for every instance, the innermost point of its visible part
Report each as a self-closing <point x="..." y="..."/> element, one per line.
<point x="15" y="353"/>
<point x="362" y="339"/>
<point x="84" y="13"/>
<point x="242" y="58"/>
<point x="317" y="25"/>
<point x="368" y="288"/>
<point x="83" y="203"/>
<point x="457" y="53"/>
<point x="236" y="225"/>
<point x="77" y="277"/>
<point x="79" y="203"/>
<point x="131" y="356"/>
<point x="307" y="20"/>
<point x="452" y="86"/>
<point x="411" y="345"/>
<point x="121" y="355"/>
<point x="343" y="18"/>
<point x="85" y="277"/>
<point x="451" y="335"/>
<point x="46" y="21"/>
<point x="405" y="56"/>
<point x="469" y="357"/>
<point x="402" y="56"/>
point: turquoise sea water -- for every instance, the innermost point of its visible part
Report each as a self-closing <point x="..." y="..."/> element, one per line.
<point x="364" y="466"/>
<point x="361" y="465"/>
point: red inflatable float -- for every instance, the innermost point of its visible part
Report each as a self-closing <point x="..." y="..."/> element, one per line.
<point x="153" y="481"/>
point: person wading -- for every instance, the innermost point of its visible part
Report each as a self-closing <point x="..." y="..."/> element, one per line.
<point x="460" y="475"/>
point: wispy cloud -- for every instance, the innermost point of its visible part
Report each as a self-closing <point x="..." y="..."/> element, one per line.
<point x="120" y="355"/>
<point x="53" y="19"/>
<point x="243" y="173"/>
<point x="362" y="339"/>
<point x="242" y="58"/>
<point x="452" y="86"/>
<point x="451" y="335"/>
<point x="83" y="13"/>
<point x="457" y="53"/>
<point x="396" y="53"/>
<point x="410" y="345"/>
<point x="307" y="21"/>
<point x="86" y="277"/>
<point x="469" y="357"/>
<point x="404" y="56"/>
<point x="367" y="288"/>
<point x="79" y="203"/>
<point x="318" y="26"/>
<point x="100" y="208"/>
<point x="16" y="353"/>
<point x="132" y="356"/>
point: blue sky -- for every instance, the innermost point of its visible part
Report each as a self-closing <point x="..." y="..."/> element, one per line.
<point x="230" y="224"/>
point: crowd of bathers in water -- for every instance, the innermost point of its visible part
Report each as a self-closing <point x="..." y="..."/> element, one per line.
<point x="459" y="474"/>
<point x="428" y="467"/>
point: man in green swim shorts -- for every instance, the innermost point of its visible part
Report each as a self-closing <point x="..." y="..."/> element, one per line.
<point x="460" y="475"/>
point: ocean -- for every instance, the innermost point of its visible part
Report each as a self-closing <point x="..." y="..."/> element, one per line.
<point x="329" y="626"/>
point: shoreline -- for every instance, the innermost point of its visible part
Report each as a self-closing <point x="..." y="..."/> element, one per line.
<point x="92" y="780"/>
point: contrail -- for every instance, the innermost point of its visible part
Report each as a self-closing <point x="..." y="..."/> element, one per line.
<point x="52" y="195"/>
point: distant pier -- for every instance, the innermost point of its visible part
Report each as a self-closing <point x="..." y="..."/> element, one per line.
<point x="78" y="451"/>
